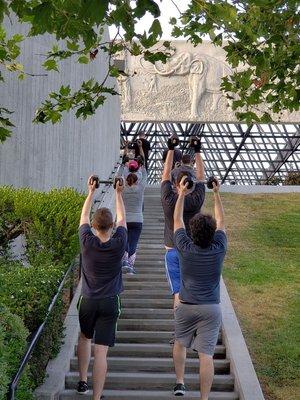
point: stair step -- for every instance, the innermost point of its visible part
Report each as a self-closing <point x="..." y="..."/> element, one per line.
<point x="139" y="364"/>
<point x="141" y="277"/>
<point x="149" y="337"/>
<point x="146" y="324"/>
<point x="141" y="293"/>
<point x="146" y="313"/>
<point x="145" y="395"/>
<point x="145" y="303"/>
<point x="144" y="336"/>
<point x="134" y="285"/>
<point x="153" y="381"/>
<point x="154" y="350"/>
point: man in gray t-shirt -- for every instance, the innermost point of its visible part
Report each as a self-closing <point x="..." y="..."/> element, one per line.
<point x="198" y="316"/>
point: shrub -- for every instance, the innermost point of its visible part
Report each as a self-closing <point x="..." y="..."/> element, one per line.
<point x="49" y="222"/>
<point x="13" y="344"/>
<point x="292" y="178"/>
<point x="274" y="181"/>
<point x="27" y="291"/>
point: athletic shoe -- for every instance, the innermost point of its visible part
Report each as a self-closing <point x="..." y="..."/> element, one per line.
<point x="132" y="271"/>
<point x="126" y="267"/>
<point x="82" y="387"/>
<point x="179" y="389"/>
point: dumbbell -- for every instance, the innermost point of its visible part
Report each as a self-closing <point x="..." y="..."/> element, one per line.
<point x="195" y="143"/>
<point x="120" y="180"/>
<point x="190" y="182"/>
<point x="173" y="141"/>
<point x="209" y="182"/>
<point x="95" y="178"/>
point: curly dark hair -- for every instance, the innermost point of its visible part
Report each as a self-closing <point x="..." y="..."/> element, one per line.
<point x="203" y="227"/>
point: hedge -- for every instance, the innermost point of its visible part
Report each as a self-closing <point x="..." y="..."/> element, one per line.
<point x="13" y="335"/>
<point x="49" y="222"/>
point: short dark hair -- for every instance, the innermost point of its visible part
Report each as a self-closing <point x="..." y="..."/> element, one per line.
<point x="186" y="159"/>
<point x="203" y="227"/>
<point x="103" y="219"/>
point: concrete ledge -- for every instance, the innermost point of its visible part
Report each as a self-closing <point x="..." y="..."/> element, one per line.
<point x="246" y="381"/>
<point x="251" y="189"/>
<point x="59" y="366"/>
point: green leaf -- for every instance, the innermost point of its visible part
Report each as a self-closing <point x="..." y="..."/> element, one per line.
<point x="142" y="6"/>
<point x="65" y="90"/>
<point x="83" y="59"/>
<point x="113" y="71"/>
<point x="156" y="28"/>
<point x="73" y="46"/>
<point x="18" y="37"/>
<point x="50" y="65"/>
<point x="4" y="134"/>
<point x="94" y="10"/>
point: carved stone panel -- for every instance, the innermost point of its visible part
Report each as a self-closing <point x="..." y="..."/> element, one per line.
<point x="186" y="88"/>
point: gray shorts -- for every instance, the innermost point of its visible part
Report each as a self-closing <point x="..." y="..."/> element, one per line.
<point x="197" y="326"/>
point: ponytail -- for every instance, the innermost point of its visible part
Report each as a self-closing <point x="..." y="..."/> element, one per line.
<point x="131" y="179"/>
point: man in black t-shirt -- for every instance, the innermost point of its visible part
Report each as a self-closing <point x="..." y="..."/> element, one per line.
<point x="99" y="304"/>
<point x="192" y="205"/>
<point x="145" y="146"/>
<point x="198" y="316"/>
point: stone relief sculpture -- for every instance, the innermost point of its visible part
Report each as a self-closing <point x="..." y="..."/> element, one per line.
<point x="204" y="77"/>
<point x="125" y="89"/>
<point x="185" y="88"/>
<point x="125" y="85"/>
<point x="152" y="84"/>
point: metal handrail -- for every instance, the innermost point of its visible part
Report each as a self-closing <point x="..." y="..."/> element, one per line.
<point x="31" y="346"/>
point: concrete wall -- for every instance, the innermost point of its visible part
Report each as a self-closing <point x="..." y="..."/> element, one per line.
<point x="46" y="156"/>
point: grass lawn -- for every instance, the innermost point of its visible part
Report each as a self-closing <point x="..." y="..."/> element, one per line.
<point x="262" y="273"/>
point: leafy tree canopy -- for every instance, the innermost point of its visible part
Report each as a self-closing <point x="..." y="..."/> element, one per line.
<point x="261" y="36"/>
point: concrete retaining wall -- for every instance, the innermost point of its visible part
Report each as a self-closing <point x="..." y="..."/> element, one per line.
<point x="46" y="156"/>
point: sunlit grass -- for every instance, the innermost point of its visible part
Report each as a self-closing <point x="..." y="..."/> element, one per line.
<point x="263" y="278"/>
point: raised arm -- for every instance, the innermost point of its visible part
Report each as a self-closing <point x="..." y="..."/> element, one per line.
<point x="219" y="211"/>
<point x="141" y="150"/>
<point x="178" y="212"/>
<point x="173" y="141"/>
<point x="166" y="176"/>
<point x="86" y="209"/>
<point x="120" y="209"/>
<point x="200" y="172"/>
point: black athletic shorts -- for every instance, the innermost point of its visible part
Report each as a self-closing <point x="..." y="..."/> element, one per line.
<point x="98" y="319"/>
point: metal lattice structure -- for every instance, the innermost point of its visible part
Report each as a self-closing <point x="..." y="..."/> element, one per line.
<point x="236" y="153"/>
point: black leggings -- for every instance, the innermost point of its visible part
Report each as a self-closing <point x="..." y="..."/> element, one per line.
<point x="134" y="232"/>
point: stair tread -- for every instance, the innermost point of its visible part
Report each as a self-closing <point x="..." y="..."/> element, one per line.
<point x="157" y="376"/>
<point x="148" y="394"/>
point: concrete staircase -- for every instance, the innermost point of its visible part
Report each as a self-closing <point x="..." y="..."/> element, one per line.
<point x="140" y="365"/>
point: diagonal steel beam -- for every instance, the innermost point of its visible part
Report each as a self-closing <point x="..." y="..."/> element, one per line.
<point x="245" y="135"/>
